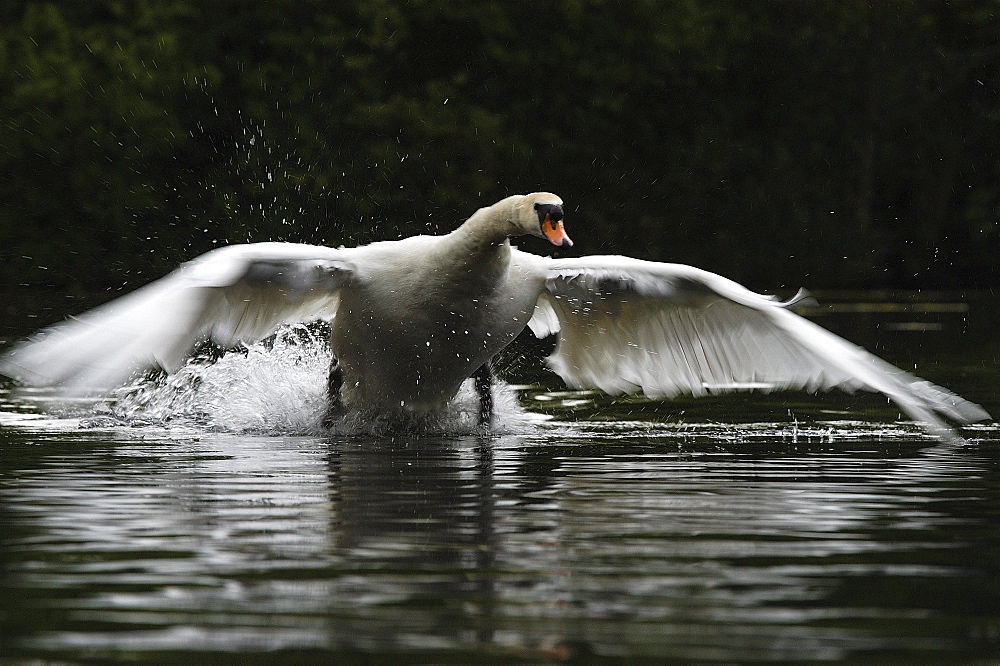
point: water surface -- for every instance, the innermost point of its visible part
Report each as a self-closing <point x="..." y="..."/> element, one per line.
<point x="212" y="523"/>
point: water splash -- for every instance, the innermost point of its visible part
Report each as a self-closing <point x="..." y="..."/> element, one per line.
<point x="277" y="387"/>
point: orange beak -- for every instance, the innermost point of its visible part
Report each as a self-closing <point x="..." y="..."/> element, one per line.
<point x="555" y="232"/>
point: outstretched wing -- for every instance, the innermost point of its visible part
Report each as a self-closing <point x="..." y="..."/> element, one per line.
<point x="235" y="294"/>
<point x="626" y="325"/>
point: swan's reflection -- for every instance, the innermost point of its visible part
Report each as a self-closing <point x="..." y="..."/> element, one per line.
<point x="417" y="520"/>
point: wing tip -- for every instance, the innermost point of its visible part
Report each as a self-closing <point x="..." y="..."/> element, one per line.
<point x="802" y="297"/>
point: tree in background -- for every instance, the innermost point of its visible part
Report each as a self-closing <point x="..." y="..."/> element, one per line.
<point x="779" y="143"/>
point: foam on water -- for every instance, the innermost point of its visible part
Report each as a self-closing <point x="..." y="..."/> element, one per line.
<point x="278" y="387"/>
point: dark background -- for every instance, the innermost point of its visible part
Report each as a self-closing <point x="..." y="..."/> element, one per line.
<point x="827" y="144"/>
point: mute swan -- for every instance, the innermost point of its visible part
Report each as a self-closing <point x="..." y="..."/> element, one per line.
<point x="412" y="319"/>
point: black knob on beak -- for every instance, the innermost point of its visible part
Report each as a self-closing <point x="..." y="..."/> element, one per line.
<point x="553" y="211"/>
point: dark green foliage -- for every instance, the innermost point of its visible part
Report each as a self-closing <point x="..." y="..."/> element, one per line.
<point x="776" y="142"/>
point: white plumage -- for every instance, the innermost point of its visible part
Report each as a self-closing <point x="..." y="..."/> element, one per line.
<point x="412" y="319"/>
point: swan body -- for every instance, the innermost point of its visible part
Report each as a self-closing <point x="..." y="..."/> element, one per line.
<point x="414" y="318"/>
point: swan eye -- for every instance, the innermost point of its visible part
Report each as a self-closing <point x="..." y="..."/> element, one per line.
<point x="549" y="212"/>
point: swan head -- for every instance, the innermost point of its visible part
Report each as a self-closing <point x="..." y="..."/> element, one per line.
<point x="541" y="214"/>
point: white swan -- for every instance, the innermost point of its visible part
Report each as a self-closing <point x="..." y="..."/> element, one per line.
<point x="413" y="318"/>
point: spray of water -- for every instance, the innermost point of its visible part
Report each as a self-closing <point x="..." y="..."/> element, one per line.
<point x="277" y="387"/>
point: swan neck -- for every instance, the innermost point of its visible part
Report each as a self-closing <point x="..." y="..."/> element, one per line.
<point x="489" y="228"/>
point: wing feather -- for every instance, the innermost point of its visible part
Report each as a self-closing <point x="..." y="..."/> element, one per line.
<point x="626" y="325"/>
<point x="236" y="294"/>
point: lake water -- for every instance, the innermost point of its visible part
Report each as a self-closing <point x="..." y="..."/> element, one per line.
<point x="205" y="518"/>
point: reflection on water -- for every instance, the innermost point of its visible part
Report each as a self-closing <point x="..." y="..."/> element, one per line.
<point x="577" y="539"/>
